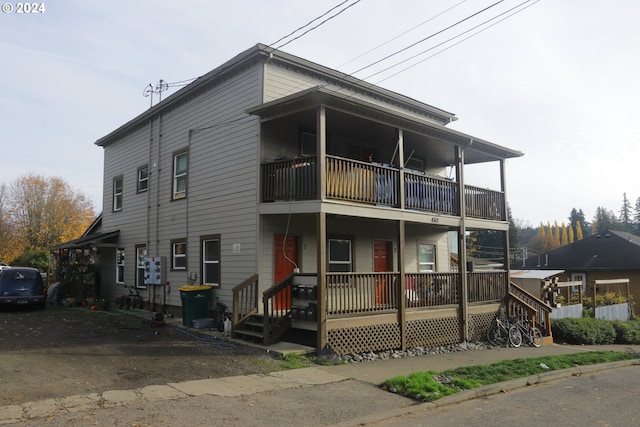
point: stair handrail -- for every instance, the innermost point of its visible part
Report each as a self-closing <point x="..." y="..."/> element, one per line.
<point x="276" y="302"/>
<point x="245" y="300"/>
<point x="538" y="309"/>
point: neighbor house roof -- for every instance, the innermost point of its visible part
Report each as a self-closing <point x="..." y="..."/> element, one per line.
<point x="611" y="250"/>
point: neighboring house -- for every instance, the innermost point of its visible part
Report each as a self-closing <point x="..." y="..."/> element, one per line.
<point x="270" y="165"/>
<point x="605" y="256"/>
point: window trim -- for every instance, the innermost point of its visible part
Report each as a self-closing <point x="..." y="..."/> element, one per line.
<point x="175" y="256"/>
<point x="203" y="262"/>
<point x="120" y="266"/>
<point x="175" y="194"/>
<point x="434" y="262"/>
<point x="117" y="196"/>
<point x="145" y="180"/>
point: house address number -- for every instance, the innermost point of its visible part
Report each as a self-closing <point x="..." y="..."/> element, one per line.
<point x="435" y="219"/>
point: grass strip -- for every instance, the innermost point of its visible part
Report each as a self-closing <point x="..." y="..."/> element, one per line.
<point x="431" y="385"/>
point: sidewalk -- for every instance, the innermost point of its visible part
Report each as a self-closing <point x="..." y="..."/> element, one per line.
<point x="334" y="380"/>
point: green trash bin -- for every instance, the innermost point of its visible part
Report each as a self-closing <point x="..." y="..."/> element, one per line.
<point x="195" y="300"/>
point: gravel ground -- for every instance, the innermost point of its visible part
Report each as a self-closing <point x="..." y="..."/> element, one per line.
<point x="64" y="351"/>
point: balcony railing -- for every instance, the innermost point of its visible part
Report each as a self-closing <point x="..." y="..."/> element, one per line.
<point x="368" y="293"/>
<point x="376" y="184"/>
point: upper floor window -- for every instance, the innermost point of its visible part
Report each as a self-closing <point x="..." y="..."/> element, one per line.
<point x="340" y="255"/>
<point x="426" y="257"/>
<point x="120" y="265"/>
<point x="211" y="261"/>
<point x="143" y="179"/>
<point x="179" y="255"/>
<point x="118" y="183"/>
<point x="180" y="175"/>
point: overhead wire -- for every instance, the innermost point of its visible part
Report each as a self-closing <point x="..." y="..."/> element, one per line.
<point x="453" y="38"/>
<point x="315" y="19"/>
<point x="403" y="33"/>
<point x="429" y="37"/>
<point x="308" y="23"/>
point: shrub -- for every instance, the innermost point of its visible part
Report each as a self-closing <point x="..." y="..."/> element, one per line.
<point x="627" y="332"/>
<point x="584" y="331"/>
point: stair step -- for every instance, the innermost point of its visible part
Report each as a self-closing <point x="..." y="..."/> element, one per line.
<point x="249" y="333"/>
<point x="255" y="324"/>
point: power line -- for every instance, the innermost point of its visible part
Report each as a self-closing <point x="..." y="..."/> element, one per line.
<point x="403" y="33"/>
<point x="453" y="38"/>
<point x="428" y="37"/>
<point x="315" y="19"/>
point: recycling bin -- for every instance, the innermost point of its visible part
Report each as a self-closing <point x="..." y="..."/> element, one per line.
<point x="195" y="300"/>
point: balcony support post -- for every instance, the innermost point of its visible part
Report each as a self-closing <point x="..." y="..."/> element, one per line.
<point x="462" y="248"/>
<point x="321" y="288"/>
<point x="321" y="149"/>
<point x="505" y="246"/>
<point x="401" y="297"/>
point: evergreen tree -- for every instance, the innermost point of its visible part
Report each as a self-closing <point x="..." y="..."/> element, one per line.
<point x="625" y="214"/>
<point x="604" y="220"/>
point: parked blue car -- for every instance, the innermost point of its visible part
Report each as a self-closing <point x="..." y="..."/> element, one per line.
<point x="22" y="287"/>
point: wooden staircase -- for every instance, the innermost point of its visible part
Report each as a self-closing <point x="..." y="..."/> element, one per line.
<point x="521" y="302"/>
<point x="266" y="327"/>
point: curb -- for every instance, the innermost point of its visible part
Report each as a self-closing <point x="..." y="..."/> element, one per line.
<point x="489" y="390"/>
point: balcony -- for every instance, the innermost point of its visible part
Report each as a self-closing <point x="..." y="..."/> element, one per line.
<point x="376" y="184"/>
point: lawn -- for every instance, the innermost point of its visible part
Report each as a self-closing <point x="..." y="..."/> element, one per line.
<point x="431" y="385"/>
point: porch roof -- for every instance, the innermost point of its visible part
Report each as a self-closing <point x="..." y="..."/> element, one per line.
<point x="98" y="240"/>
<point x="476" y="150"/>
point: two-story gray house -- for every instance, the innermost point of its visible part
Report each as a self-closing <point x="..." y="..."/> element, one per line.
<point x="311" y="201"/>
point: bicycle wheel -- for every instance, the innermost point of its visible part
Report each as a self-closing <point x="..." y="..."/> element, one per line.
<point x="536" y="337"/>
<point x="515" y="337"/>
<point x="497" y="336"/>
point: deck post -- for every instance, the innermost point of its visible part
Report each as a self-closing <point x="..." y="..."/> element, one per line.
<point x="462" y="248"/>
<point x="401" y="298"/>
<point x="321" y="268"/>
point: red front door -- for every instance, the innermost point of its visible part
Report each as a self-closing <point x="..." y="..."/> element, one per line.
<point x="285" y="259"/>
<point x="382" y="262"/>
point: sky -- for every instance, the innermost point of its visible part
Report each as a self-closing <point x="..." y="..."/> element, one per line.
<point x="558" y="80"/>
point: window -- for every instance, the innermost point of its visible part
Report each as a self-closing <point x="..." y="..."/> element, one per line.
<point x="179" y="255"/>
<point x="120" y="265"/>
<point x="211" y="261"/>
<point x="426" y="257"/>
<point x="117" y="193"/>
<point x="143" y="179"/>
<point x="141" y="254"/>
<point x="180" y="175"/>
<point x="340" y="255"/>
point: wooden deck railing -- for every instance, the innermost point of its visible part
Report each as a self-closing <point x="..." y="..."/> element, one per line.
<point x="431" y="289"/>
<point x="351" y="293"/>
<point x="484" y="203"/>
<point x="245" y="299"/>
<point x="432" y="194"/>
<point x="289" y="179"/>
<point x="277" y="303"/>
<point x="376" y="184"/>
<point x="487" y="286"/>
<point x="362" y="182"/>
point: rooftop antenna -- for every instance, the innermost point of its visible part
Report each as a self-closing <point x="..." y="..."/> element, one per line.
<point x="149" y="90"/>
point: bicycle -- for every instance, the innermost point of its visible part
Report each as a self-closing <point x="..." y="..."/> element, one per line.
<point x="531" y="334"/>
<point x="504" y="334"/>
<point x="133" y="300"/>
